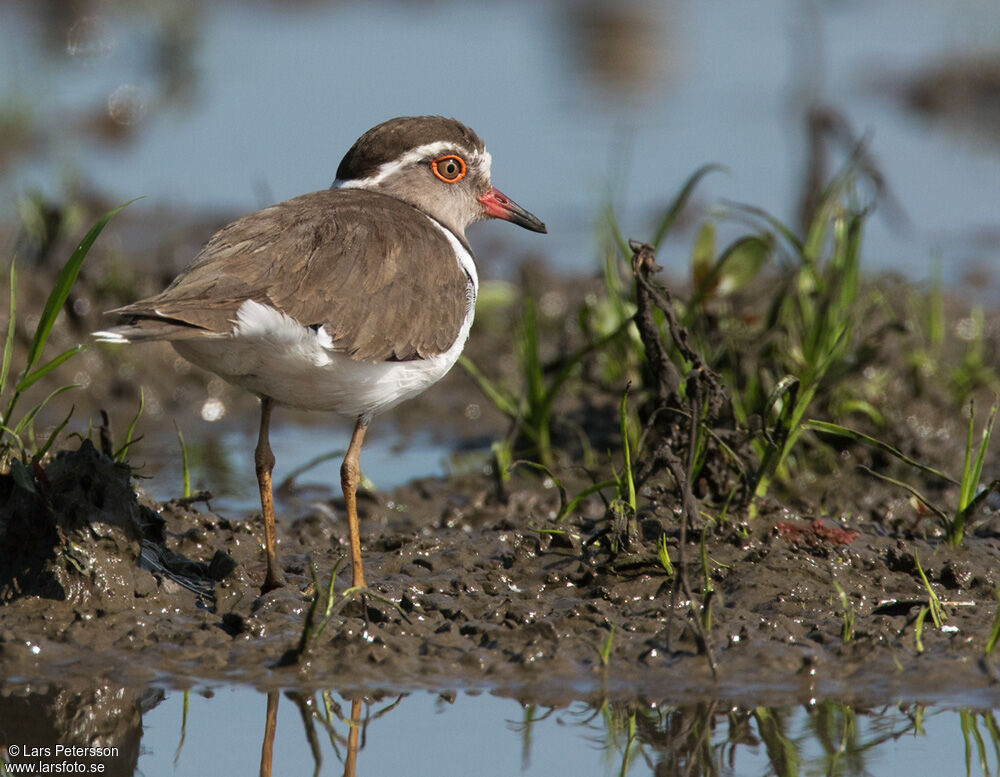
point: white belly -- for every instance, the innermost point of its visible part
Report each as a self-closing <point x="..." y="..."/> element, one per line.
<point x="271" y="354"/>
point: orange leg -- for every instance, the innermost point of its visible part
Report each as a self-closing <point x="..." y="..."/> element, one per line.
<point x="264" y="462"/>
<point x="350" y="474"/>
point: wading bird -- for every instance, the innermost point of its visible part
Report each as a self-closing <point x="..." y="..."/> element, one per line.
<point x="349" y="300"/>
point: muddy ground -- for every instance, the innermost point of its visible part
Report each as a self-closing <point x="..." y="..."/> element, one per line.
<point x="136" y="591"/>
<point x="483" y="587"/>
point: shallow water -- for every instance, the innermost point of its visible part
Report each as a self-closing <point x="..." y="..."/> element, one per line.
<point x="222" y="107"/>
<point x="226" y="731"/>
<point x="263" y="105"/>
<point x="222" y="463"/>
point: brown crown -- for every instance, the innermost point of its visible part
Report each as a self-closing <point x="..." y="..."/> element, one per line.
<point x="391" y="139"/>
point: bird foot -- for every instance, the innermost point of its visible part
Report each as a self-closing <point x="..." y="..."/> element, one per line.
<point x="272" y="581"/>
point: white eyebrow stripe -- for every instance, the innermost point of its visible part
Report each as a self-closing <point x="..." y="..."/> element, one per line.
<point x="388" y="168"/>
<point x="413" y="155"/>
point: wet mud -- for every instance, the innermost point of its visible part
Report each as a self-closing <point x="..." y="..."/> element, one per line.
<point x="479" y="585"/>
<point x="480" y="592"/>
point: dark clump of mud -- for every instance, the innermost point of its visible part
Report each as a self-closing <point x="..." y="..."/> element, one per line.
<point x="76" y="532"/>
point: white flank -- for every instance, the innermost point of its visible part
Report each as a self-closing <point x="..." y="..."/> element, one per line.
<point x="272" y="354"/>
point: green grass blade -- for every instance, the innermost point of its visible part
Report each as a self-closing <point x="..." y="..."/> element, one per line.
<point x="64" y="282"/>
<point x="605" y="650"/>
<point x="933" y="602"/>
<point x="40" y="453"/>
<point x="120" y="453"/>
<point x="664" y="556"/>
<point x="778" y="226"/>
<point x="8" y="346"/>
<point x="33" y="377"/>
<point x="185" y="472"/>
<point x="788" y="384"/>
<point x="907" y="487"/>
<point x="673" y="211"/>
<point x="844" y="431"/>
<point x="995" y="631"/>
<point x="626" y="452"/>
<point x="563" y="496"/>
<point x="968" y="484"/>
<point x="531" y="362"/>
<point x="980" y="457"/>
<point x="502" y="401"/>
<point x="918" y="629"/>
<point x="30" y="415"/>
<point x="573" y="503"/>
<point x="616" y="232"/>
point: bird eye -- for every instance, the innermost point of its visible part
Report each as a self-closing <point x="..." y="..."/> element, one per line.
<point x="449" y="168"/>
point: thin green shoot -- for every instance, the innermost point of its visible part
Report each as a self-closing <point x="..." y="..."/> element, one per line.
<point x="933" y="602"/>
<point x="53" y="305"/>
<point x="918" y="629"/>
<point x="26" y="424"/>
<point x="809" y="327"/>
<point x="503" y="455"/>
<point x="604" y="653"/>
<point x="123" y="450"/>
<point x="851" y="434"/>
<point x="629" y="746"/>
<point x="971" y="734"/>
<point x="185" y="471"/>
<point x="311" y="629"/>
<point x="708" y="589"/>
<point x="184" y="718"/>
<point x="8" y="346"/>
<point x="566" y="505"/>
<point x="677" y="205"/>
<point x="626" y="452"/>
<point x="574" y="503"/>
<point x="664" y="556"/>
<point x="288" y="483"/>
<point x="846" y="613"/>
<point x="40" y="453"/>
<point x="972" y="470"/>
<point x="991" y="643"/>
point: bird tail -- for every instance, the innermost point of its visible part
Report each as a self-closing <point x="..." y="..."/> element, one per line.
<point x="140" y="330"/>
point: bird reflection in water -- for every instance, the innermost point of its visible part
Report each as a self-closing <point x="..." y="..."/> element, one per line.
<point x="324" y="713"/>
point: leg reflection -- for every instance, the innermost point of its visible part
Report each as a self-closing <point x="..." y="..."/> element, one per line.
<point x="270" y="724"/>
<point x="350" y="763"/>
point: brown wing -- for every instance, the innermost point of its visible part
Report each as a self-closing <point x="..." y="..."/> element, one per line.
<point x="374" y="271"/>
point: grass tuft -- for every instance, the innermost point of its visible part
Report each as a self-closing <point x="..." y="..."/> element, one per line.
<point x="34" y="369"/>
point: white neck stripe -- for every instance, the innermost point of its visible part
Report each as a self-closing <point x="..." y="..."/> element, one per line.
<point x="462" y="254"/>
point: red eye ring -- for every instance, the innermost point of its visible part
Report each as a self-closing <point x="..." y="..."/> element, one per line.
<point x="449" y="157"/>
